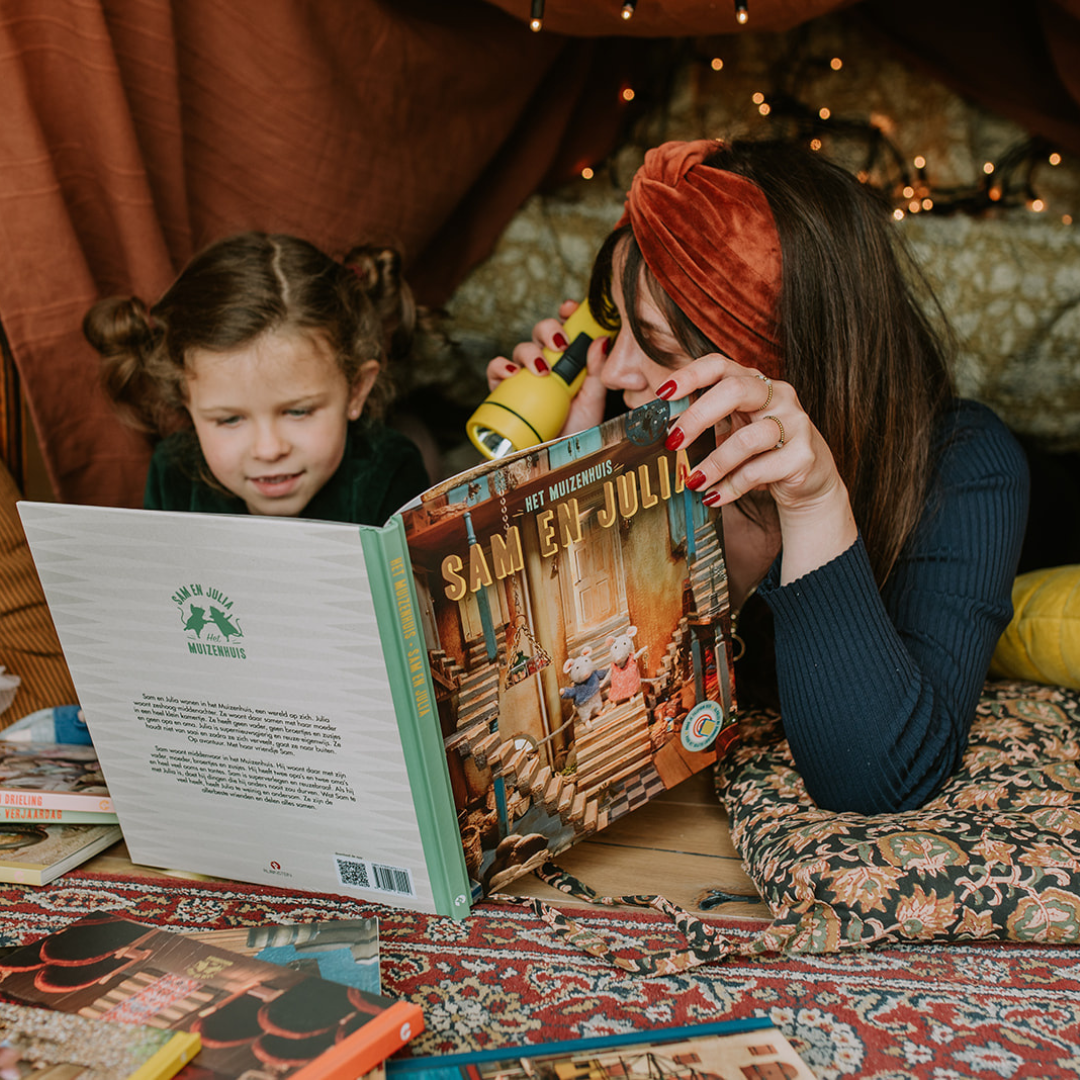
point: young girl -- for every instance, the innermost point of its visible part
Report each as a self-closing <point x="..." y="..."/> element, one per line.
<point x="872" y="521"/>
<point x="262" y="364"/>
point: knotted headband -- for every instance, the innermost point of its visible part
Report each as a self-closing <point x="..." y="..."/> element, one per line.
<point x="709" y="238"/>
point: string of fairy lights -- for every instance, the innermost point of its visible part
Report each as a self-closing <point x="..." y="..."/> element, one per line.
<point x="1008" y="182"/>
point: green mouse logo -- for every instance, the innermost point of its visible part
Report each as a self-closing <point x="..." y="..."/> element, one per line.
<point x="211" y="626"/>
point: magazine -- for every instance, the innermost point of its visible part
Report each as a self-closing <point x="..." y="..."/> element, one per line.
<point x="249" y="1014"/>
<point x="414" y="714"/>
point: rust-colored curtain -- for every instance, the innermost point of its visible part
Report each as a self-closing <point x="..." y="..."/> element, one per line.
<point x="133" y="132"/>
<point x="136" y="131"/>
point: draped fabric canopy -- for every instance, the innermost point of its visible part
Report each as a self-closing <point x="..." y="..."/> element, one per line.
<point x="133" y="132"/>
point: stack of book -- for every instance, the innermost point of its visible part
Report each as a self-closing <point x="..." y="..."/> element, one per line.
<point x="55" y="810"/>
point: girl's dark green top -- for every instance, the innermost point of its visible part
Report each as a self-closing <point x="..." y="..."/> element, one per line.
<point x="380" y="472"/>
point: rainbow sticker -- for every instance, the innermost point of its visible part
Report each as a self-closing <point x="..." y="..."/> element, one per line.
<point x="701" y="726"/>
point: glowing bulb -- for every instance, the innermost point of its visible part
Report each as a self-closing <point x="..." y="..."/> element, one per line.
<point x="928" y="204"/>
<point x="586" y="173"/>
<point x="1037" y="205"/>
<point x="994" y="193"/>
<point x="815" y="144"/>
<point x="824" y="113"/>
<point x="1066" y="219"/>
<point x="1055" y="158"/>
<point x="913" y="206"/>
<point x="628" y="94"/>
<point x="535" y="25"/>
<point x="898" y="214"/>
<point x="758" y="98"/>
<point x="909" y="191"/>
<point x="717" y="63"/>
<point x="836" y="63"/>
<point x="988" y="167"/>
<point x="764" y="109"/>
<point x="919" y="162"/>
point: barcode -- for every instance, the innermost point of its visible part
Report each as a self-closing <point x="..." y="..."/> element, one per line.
<point x="361" y="874"/>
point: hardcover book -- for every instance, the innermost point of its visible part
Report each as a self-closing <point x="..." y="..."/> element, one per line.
<point x="721" y="1050"/>
<point x="53" y="782"/>
<point x="35" y="854"/>
<point x="413" y="714"/>
<point x="254" y="1018"/>
<point x="41" y="1043"/>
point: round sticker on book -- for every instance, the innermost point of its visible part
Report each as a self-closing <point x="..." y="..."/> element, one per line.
<point x="701" y="726"/>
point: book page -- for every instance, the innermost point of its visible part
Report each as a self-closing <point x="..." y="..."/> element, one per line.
<point x="234" y="685"/>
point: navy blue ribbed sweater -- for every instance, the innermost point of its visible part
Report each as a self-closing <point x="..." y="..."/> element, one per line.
<point x="878" y="691"/>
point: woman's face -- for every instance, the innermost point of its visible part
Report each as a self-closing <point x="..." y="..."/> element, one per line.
<point x="628" y="367"/>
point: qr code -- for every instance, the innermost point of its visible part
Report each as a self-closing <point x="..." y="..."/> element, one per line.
<point x="351" y="872"/>
<point x="361" y="874"/>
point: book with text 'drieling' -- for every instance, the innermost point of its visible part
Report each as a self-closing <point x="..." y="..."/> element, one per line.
<point x="413" y="714"/>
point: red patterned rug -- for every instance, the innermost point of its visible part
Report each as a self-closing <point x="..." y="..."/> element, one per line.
<point x="913" y="1013"/>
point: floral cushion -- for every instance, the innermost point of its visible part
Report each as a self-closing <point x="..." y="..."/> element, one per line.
<point x="995" y="855"/>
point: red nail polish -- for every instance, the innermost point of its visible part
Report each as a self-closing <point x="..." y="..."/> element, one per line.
<point x="541" y="366"/>
<point x="560" y="341"/>
<point x="666" y="390"/>
<point x="695" y="480"/>
<point x="674" y="439"/>
<point x="711" y="499"/>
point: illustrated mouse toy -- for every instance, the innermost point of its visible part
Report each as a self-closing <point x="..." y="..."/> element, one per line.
<point x="624" y="673"/>
<point x="587" y="692"/>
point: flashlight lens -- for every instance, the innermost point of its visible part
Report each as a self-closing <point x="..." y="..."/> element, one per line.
<point x="493" y="443"/>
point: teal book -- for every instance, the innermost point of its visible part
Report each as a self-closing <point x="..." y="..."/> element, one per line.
<point x="413" y="714"/>
<point x="716" y="1050"/>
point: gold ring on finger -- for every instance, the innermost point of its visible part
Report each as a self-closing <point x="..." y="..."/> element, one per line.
<point x="776" y="420"/>
<point x="768" y="382"/>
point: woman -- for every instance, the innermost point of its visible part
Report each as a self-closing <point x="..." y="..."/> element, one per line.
<point x="872" y="521"/>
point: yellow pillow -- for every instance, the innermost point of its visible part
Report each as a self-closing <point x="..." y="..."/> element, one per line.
<point x="1042" y="643"/>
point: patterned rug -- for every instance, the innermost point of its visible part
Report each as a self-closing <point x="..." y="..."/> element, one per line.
<point x="501" y="977"/>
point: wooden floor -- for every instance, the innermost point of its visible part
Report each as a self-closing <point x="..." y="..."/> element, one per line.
<point x="678" y="845"/>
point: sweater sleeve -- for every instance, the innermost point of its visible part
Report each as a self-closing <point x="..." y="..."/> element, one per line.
<point x="878" y="691"/>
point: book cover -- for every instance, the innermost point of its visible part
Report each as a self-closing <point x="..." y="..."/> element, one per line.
<point x="575" y="608"/>
<point x="344" y="951"/>
<point x="722" y="1050"/>
<point x="253" y="1018"/>
<point x="35" y="854"/>
<point x="52" y="776"/>
<point x="41" y="1043"/>
<point x="413" y="714"/>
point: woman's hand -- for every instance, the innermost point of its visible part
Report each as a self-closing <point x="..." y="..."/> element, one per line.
<point x="764" y="440"/>
<point x="587" y="406"/>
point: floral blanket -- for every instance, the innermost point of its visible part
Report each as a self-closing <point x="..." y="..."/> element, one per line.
<point x="996" y="855"/>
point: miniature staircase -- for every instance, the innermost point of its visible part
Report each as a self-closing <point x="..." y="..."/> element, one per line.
<point x="708" y="574"/>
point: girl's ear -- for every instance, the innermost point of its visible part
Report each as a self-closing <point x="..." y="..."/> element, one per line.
<point x="361" y="387"/>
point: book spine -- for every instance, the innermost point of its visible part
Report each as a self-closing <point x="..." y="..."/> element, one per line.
<point x="55" y="800"/>
<point x="56" y="817"/>
<point x="363" y="1050"/>
<point x="393" y="593"/>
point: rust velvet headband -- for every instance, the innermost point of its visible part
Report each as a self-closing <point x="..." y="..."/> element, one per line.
<point x="709" y="238"/>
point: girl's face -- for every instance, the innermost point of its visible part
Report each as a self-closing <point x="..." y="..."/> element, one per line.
<point x="272" y="417"/>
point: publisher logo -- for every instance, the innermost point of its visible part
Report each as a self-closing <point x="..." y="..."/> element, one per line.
<point x="211" y="625"/>
<point x="701" y="726"/>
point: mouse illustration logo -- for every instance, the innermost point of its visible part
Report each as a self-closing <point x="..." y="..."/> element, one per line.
<point x="210" y="625"/>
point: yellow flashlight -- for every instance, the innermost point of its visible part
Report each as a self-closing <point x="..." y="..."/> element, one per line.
<point x="528" y="409"/>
